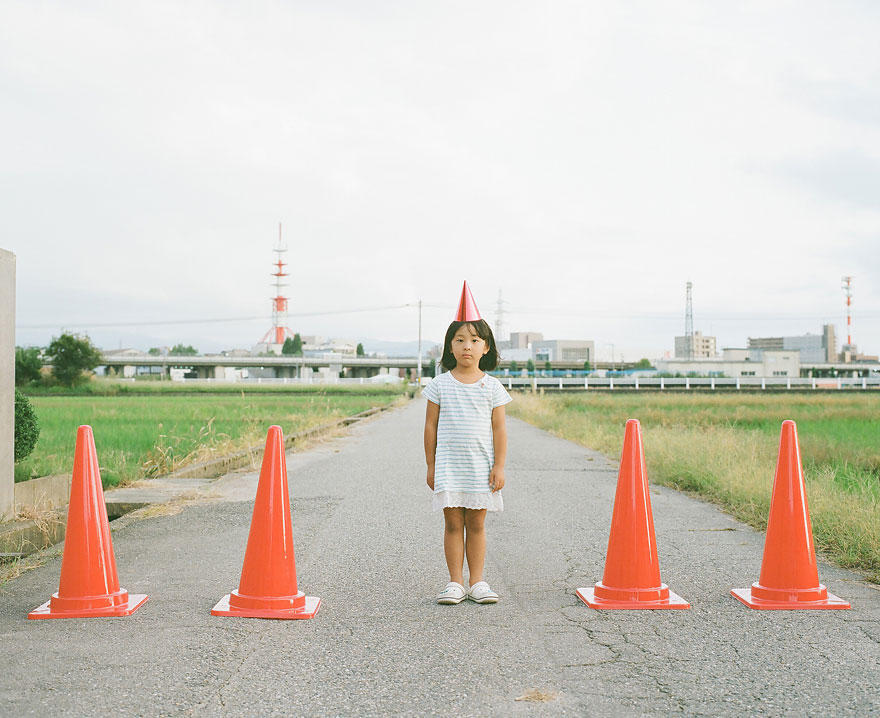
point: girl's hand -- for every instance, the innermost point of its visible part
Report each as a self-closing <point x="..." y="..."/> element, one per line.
<point x="496" y="479"/>
<point x="430" y="479"/>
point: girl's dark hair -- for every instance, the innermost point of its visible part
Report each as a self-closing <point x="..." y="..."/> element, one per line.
<point x="482" y="329"/>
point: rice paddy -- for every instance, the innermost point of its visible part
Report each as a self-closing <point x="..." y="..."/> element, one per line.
<point x="143" y="435"/>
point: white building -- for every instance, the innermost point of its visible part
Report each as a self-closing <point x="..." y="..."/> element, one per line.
<point x="570" y="350"/>
<point x="738" y="363"/>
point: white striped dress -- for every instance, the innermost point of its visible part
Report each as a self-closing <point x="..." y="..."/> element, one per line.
<point x="465" y="452"/>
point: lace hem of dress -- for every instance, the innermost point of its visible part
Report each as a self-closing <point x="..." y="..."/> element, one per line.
<point x="491" y="501"/>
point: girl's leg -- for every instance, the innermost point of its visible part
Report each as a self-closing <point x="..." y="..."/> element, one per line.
<point x="475" y="543"/>
<point x="453" y="542"/>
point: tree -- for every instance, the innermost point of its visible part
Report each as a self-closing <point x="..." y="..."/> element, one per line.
<point x="180" y="350"/>
<point x="587" y="366"/>
<point x="297" y="345"/>
<point x="514" y="366"/>
<point x="360" y="349"/>
<point x="27" y="365"/>
<point x="27" y="428"/>
<point x="530" y="366"/>
<point x="72" y="354"/>
<point x="154" y="351"/>
<point x="548" y="366"/>
<point x="287" y="348"/>
<point x="643" y="364"/>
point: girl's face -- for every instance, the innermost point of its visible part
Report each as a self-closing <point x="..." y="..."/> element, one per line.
<point x="467" y="347"/>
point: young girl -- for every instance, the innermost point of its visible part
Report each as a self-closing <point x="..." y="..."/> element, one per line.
<point x="465" y="448"/>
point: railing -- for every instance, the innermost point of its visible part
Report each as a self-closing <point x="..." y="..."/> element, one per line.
<point x="632" y="383"/>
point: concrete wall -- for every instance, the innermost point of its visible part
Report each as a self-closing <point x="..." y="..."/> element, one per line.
<point x="7" y="382"/>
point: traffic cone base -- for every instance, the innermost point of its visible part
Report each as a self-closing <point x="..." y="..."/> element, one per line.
<point x="308" y="609"/>
<point x="656" y="598"/>
<point x="120" y="604"/>
<point x="817" y="599"/>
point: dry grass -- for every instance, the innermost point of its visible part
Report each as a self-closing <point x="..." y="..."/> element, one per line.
<point x="724" y="449"/>
<point x="11" y="570"/>
<point x="536" y="696"/>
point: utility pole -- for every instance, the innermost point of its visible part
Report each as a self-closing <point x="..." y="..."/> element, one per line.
<point x="419" y="369"/>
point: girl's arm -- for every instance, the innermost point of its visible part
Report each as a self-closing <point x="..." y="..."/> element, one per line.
<point x="432" y="416"/>
<point x="499" y="441"/>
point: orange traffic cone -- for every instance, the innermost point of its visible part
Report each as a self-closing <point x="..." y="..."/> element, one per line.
<point x="89" y="586"/>
<point x="267" y="588"/>
<point x="632" y="570"/>
<point x="789" y="576"/>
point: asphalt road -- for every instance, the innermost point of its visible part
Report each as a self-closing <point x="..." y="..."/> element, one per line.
<point x="369" y="546"/>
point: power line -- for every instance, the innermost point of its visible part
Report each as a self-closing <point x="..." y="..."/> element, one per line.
<point x="551" y="311"/>
<point x="216" y="320"/>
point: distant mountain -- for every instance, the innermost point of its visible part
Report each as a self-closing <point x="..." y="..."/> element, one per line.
<point x="396" y="349"/>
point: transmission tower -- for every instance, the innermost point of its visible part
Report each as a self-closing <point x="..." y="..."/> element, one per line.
<point x="499" y="319"/>
<point x="689" y="321"/>
<point x="279" y="331"/>
<point x="847" y="292"/>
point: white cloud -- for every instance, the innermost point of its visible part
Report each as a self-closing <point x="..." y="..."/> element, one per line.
<point x="585" y="156"/>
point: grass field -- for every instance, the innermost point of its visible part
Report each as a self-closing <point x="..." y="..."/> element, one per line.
<point x="723" y="448"/>
<point x="145" y="435"/>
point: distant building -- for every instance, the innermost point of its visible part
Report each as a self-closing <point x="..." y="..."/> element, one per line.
<point x="738" y="363"/>
<point x="568" y="350"/>
<point x="704" y="347"/>
<point x="813" y="348"/>
<point x="522" y="340"/>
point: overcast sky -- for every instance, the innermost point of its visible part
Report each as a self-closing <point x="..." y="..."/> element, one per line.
<point x="586" y="159"/>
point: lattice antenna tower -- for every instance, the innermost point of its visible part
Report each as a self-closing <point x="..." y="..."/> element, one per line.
<point x="279" y="331"/>
<point x="847" y="292"/>
<point x="499" y="319"/>
<point x="689" y="321"/>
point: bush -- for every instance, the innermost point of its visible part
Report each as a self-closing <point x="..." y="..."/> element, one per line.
<point x="27" y="365"/>
<point x="27" y="428"/>
<point x="71" y="355"/>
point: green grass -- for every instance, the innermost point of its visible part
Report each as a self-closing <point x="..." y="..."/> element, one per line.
<point x="100" y="386"/>
<point x="723" y="448"/>
<point x="142" y="436"/>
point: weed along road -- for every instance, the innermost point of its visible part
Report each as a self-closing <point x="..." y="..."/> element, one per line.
<point x="369" y="547"/>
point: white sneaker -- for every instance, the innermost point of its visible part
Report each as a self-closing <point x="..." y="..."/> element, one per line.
<point x="453" y="593"/>
<point x="481" y="593"/>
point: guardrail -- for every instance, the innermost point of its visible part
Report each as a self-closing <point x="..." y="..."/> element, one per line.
<point x="691" y="383"/>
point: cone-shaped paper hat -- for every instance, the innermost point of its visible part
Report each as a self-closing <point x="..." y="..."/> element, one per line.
<point x="632" y="570"/>
<point x="789" y="575"/>
<point x="89" y="585"/>
<point x="467" y="307"/>
<point x="268" y="588"/>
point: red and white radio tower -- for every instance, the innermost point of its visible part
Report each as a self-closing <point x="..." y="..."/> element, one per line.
<point x="279" y="331"/>
<point x="847" y="292"/>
